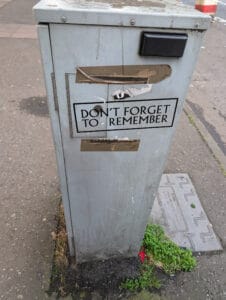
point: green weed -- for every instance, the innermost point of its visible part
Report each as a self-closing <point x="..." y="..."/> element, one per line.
<point x="165" y="253"/>
<point x="145" y="280"/>
<point x="161" y="253"/>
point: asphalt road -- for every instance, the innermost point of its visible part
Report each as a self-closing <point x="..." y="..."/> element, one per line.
<point x="206" y="95"/>
<point x="208" y="82"/>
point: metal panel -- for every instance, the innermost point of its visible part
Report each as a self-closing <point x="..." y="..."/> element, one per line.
<point x="84" y="93"/>
<point x="43" y="33"/>
<point x="111" y="193"/>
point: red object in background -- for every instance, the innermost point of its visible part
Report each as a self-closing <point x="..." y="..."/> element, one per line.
<point x="211" y="9"/>
<point x="142" y="255"/>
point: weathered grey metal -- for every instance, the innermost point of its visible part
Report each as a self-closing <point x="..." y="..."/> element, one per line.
<point x="108" y="195"/>
<point x="43" y="33"/>
<point x="135" y="13"/>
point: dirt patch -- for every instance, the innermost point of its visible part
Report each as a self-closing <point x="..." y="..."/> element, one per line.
<point x="106" y="275"/>
<point x="92" y="280"/>
<point x="103" y="279"/>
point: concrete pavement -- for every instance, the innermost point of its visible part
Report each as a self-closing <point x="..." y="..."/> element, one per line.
<point x="207" y="90"/>
<point x="189" y="153"/>
<point x="17" y="11"/>
<point x="28" y="180"/>
<point x="29" y="183"/>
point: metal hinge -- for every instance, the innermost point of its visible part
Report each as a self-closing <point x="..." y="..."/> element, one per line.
<point x="55" y="99"/>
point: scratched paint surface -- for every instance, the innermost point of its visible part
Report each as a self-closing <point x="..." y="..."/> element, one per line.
<point x="178" y="209"/>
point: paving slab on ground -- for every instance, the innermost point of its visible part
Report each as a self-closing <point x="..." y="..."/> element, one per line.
<point x="178" y="209"/>
<point x="17" y="11"/>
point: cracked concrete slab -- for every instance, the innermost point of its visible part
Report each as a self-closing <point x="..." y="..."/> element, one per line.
<point x="178" y="209"/>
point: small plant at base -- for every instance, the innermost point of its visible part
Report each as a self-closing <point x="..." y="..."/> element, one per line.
<point x="162" y="252"/>
<point x="158" y="251"/>
<point x="193" y="205"/>
<point x="60" y="259"/>
<point x="146" y="279"/>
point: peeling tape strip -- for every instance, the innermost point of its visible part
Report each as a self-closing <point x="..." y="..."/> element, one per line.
<point x="127" y="74"/>
<point x="131" y="92"/>
<point x="109" y="145"/>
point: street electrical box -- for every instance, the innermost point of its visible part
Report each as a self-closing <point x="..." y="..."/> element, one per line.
<point x="116" y="76"/>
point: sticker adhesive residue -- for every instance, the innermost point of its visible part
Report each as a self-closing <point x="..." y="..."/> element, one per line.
<point x="109" y="145"/>
<point x="131" y="92"/>
<point x="126" y="74"/>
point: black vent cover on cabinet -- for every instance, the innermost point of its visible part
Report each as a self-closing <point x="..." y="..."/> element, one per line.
<point x="162" y="44"/>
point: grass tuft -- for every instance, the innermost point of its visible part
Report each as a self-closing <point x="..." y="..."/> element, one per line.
<point x="164" y="252"/>
<point x="60" y="259"/>
<point x="161" y="253"/>
<point x="146" y="279"/>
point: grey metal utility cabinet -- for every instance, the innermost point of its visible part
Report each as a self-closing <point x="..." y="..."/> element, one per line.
<point x="116" y="76"/>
